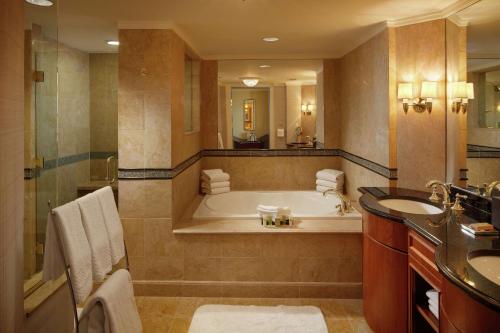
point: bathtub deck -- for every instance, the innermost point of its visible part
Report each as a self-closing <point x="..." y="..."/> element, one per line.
<point x="253" y="226"/>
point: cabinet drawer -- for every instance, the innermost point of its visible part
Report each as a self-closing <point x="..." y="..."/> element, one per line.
<point x="387" y="232"/>
<point x="421" y="258"/>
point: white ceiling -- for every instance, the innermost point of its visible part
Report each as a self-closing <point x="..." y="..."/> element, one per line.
<point x="281" y="71"/>
<point x="232" y="29"/>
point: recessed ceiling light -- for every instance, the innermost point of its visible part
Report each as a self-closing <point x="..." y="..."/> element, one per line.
<point x="270" y="39"/>
<point x="43" y="3"/>
<point x="265" y="66"/>
<point x="113" y="42"/>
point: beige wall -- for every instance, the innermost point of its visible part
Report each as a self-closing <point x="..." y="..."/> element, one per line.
<point x="11" y="164"/>
<point x="483" y="170"/>
<point x="210" y="105"/>
<point x="421" y="138"/>
<point x="331" y="103"/>
<point x="272" y="173"/>
<point x="279" y="114"/>
<point x="293" y="113"/>
<point x="262" y="102"/>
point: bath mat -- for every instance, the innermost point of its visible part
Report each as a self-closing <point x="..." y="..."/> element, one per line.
<point x="257" y="319"/>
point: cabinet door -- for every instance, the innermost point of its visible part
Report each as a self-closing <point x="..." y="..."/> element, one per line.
<point x="385" y="287"/>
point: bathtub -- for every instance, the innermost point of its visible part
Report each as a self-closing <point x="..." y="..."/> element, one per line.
<point x="241" y="205"/>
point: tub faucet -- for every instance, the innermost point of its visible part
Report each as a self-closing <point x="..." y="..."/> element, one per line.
<point x="491" y="187"/>
<point x="434" y="184"/>
<point x="345" y="204"/>
<point x="108" y="166"/>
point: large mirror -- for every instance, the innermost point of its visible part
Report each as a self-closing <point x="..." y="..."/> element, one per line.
<point x="483" y="112"/>
<point x="270" y="104"/>
<point x="71" y="121"/>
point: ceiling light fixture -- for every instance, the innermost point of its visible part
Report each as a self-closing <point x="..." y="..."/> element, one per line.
<point x="270" y="39"/>
<point x="113" y="42"/>
<point x="265" y="66"/>
<point x="43" y="3"/>
<point x="250" y="81"/>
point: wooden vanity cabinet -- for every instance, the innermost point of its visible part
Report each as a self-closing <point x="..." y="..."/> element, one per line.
<point x="385" y="274"/>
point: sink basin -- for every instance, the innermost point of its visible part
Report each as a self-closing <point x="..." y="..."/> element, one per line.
<point x="410" y="206"/>
<point x="487" y="264"/>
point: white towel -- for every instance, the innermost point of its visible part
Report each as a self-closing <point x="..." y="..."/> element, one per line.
<point x="267" y="209"/>
<point x="327" y="183"/>
<point x="433" y="295"/>
<point x="215" y="177"/>
<point x="434" y="310"/>
<point x="116" y="297"/>
<point x="112" y="222"/>
<point x="217" y="190"/>
<point x="331" y="175"/>
<point x="322" y="189"/>
<point x="212" y="185"/>
<point x="433" y="303"/>
<point x="95" y="229"/>
<point x="67" y="223"/>
<point x="208" y="172"/>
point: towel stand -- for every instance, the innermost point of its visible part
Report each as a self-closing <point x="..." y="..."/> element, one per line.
<point x="67" y="269"/>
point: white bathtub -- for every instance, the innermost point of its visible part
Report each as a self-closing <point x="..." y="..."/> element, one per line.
<point x="239" y="205"/>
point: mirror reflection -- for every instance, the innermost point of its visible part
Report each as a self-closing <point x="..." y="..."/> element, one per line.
<point x="483" y="119"/>
<point x="270" y="104"/>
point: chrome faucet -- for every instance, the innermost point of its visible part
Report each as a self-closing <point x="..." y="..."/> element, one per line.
<point x="489" y="189"/>
<point x="434" y="184"/>
<point x="345" y="204"/>
<point x="108" y="166"/>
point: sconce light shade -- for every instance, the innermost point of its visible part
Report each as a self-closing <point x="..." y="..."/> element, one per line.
<point x="429" y="89"/>
<point x="459" y="90"/>
<point x="405" y="91"/>
<point x="310" y="107"/>
<point x="470" y="90"/>
<point x="304" y="108"/>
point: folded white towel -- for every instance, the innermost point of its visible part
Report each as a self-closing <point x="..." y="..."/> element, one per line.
<point x="112" y="222"/>
<point x="216" y="177"/>
<point x="433" y="295"/>
<point x="263" y="209"/>
<point x="212" y="185"/>
<point x="327" y="183"/>
<point x="331" y="175"/>
<point x="208" y="172"/>
<point x="115" y="298"/>
<point x="434" y="310"/>
<point x="322" y="189"/>
<point x="95" y="229"/>
<point x="218" y="190"/>
<point x="67" y="224"/>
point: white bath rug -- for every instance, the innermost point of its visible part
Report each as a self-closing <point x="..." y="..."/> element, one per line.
<point x="257" y="319"/>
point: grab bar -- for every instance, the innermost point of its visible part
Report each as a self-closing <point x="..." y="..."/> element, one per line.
<point x="108" y="164"/>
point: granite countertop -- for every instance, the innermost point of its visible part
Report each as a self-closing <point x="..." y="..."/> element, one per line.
<point x="443" y="230"/>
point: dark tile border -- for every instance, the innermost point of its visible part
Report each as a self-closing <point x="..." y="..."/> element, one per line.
<point x="477" y="151"/>
<point x="134" y="174"/>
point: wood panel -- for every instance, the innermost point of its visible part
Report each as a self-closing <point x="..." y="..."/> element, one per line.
<point x="385" y="276"/>
<point x="390" y="233"/>
<point x="466" y="314"/>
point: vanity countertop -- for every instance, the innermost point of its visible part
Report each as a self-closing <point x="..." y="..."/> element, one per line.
<point x="443" y="230"/>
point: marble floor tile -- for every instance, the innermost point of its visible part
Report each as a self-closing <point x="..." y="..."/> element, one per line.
<point x="173" y="314"/>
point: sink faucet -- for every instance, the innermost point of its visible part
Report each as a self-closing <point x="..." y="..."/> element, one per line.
<point x="345" y="204"/>
<point x="491" y="187"/>
<point x="108" y="165"/>
<point x="434" y="184"/>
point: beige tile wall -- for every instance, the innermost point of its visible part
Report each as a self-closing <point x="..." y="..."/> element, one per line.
<point x="483" y="170"/>
<point x="11" y="164"/>
<point x="308" y="122"/>
<point x="357" y="176"/>
<point x="185" y="188"/>
<point x="331" y="102"/>
<point x="209" y="71"/>
<point x="272" y="173"/>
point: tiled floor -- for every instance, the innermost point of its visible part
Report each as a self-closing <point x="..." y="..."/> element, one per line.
<point x="173" y="314"/>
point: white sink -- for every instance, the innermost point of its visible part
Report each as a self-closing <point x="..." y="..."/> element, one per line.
<point x="410" y="206"/>
<point x="488" y="266"/>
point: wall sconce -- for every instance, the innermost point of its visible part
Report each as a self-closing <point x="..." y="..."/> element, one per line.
<point x="461" y="93"/>
<point x="307" y="109"/>
<point x="420" y="104"/>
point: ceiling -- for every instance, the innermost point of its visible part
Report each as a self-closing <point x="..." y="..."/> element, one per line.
<point x="281" y="71"/>
<point x="232" y="29"/>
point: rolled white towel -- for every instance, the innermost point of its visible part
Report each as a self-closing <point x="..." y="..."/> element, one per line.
<point x="327" y="183"/>
<point x="433" y="295"/>
<point x="212" y="185"/>
<point x="215" y="177"/>
<point x="331" y="175"/>
<point x="217" y="190"/>
<point x="320" y="188"/>
<point x="434" y="310"/>
<point x="267" y="209"/>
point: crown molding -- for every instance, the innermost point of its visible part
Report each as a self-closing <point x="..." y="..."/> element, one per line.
<point x="448" y="12"/>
